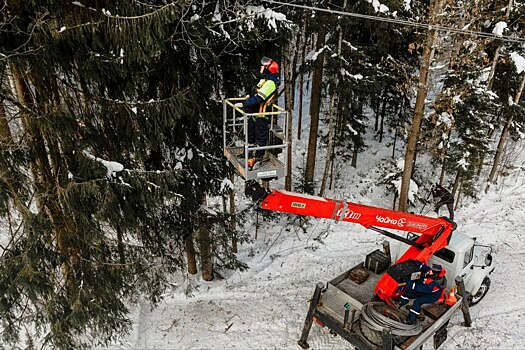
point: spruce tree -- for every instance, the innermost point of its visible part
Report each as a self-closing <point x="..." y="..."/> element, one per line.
<point x="111" y="135"/>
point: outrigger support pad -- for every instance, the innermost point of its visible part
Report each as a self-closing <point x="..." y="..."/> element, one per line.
<point x="255" y="191"/>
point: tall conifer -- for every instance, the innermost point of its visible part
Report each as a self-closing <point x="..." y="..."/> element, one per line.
<point x="111" y="135"/>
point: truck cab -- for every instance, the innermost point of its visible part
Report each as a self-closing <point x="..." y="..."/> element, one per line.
<point x="464" y="257"/>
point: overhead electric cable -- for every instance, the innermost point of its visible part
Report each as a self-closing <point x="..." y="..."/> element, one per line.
<point x="407" y="23"/>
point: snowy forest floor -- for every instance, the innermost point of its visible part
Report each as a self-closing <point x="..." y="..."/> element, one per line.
<point x="265" y="306"/>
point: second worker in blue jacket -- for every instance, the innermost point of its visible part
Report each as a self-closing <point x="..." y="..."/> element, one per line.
<point x="426" y="290"/>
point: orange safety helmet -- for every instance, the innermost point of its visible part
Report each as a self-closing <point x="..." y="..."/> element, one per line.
<point x="271" y="65"/>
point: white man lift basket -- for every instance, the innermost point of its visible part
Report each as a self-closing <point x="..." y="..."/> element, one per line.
<point x="238" y="150"/>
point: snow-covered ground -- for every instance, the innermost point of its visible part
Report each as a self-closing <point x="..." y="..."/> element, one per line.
<point x="265" y="306"/>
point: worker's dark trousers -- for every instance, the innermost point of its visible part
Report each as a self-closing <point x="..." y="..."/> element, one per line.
<point x="419" y="301"/>
<point x="450" y="207"/>
<point x="258" y="133"/>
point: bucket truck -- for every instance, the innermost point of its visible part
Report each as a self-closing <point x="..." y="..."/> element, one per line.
<point x="359" y="304"/>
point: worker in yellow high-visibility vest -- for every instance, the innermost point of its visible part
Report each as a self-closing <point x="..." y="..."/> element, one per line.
<point x="258" y="127"/>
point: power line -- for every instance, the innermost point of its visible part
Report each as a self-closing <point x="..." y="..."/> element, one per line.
<point x="406" y="23"/>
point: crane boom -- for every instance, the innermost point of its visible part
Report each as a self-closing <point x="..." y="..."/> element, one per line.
<point x="434" y="232"/>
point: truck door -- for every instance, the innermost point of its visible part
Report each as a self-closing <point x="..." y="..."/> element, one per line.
<point x="446" y="258"/>
<point x="473" y="267"/>
<point x="468" y="260"/>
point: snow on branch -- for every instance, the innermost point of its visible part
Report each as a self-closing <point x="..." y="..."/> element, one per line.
<point x="271" y="16"/>
<point x="112" y="167"/>
<point x="499" y="28"/>
<point x="519" y="62"/>
<point x="379" y="7"/>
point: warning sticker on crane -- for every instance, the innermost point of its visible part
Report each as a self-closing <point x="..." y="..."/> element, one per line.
<point x="298" y="205"/>
<point x="267" y="173"/>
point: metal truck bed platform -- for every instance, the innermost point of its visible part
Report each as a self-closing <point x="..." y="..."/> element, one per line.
<point x="338" y="305"/>
<point x="360" y="292"/>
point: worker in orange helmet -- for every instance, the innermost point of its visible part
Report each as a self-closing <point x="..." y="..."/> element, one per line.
<point x="258" y="126"/>
<point x="426" y="290"/>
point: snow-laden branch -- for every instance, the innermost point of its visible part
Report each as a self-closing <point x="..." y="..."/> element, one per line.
<point x="112" y="167"/>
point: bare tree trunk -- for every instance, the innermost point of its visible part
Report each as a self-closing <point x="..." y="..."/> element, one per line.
<point x="301" y="85"/>
<point x="395" y="199"/>
<point x="288" y="101"/>
<point x="190" y="254"/>
<point x="329" y="146"/>
<point x="376" y="110"/>
<point x="205" y="248"/>
<point x="300" y="111"/>
<point x="6" y="139"/>
<point x="120" y="245"/>
<point x="40" y="168"/>
<point x="419" y="109"/>
<point x="331" y="127"/>
<point x="456" y="184"/>
<point x="46" y="182"/>
<point x="503" y="137"/>
<point x="490" y="80"/>
<point x="444" y="157"/>
<point x="394" y="143"/>
<point x="331" y="185"/>
<point x="382" y="121"/>
<point x="355" y="153"/>
<point x="315" y="106"/>
<point x="396" y="130"/>
<point x="5" y="131"/>
<point x="233" y="217"/>
<point x="459" y="193"/>
<point x="300" y="36"/>
<point x="289" y="178"/>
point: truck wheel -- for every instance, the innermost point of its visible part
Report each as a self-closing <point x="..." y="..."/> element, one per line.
<point x="483" y="289"/>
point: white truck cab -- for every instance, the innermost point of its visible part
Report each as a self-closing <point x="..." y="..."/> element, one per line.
<point x="466" y="258"/>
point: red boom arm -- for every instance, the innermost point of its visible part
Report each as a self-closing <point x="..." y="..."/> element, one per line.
<point x="434" y="231"/>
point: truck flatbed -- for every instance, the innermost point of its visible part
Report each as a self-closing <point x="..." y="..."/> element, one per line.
<point x="339" y="304"/>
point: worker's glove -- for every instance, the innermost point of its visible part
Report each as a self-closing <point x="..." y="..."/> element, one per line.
<point x="238" y="105"/>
